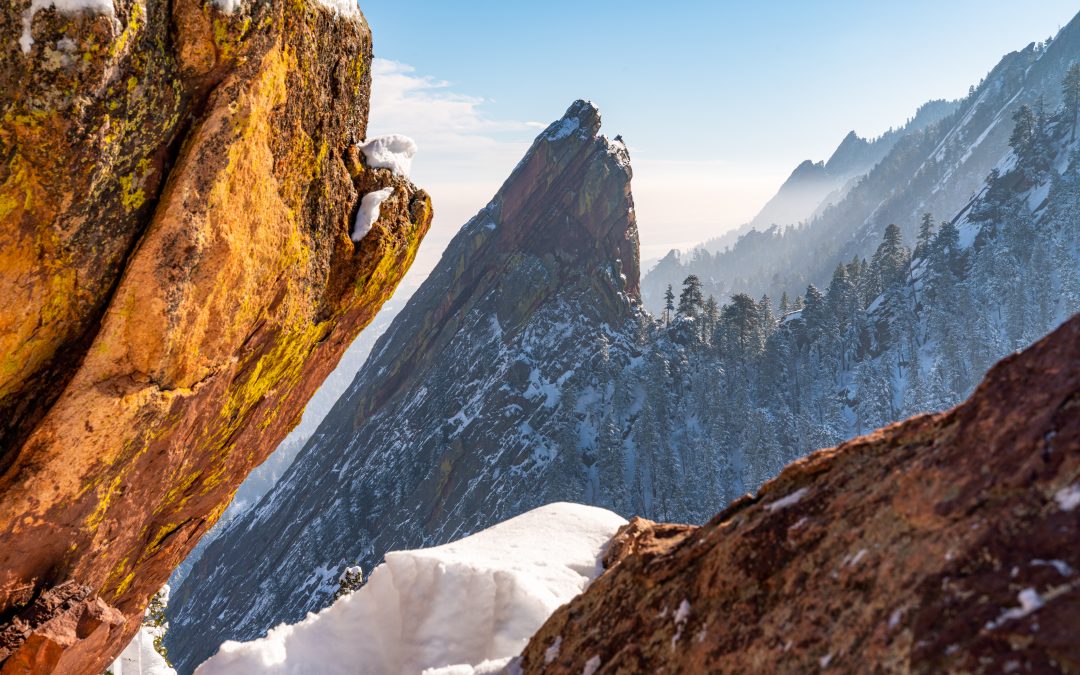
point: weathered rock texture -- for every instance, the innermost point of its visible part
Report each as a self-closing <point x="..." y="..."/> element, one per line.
<point x="947" y="543"/>
<point x="177" y="186"/>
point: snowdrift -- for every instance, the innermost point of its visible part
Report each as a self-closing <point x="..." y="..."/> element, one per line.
<point x="461" y="608"/>
<point x="140" y="657"/>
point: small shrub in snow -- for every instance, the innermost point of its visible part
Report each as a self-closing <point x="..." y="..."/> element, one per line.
<point x="350" y="580"/>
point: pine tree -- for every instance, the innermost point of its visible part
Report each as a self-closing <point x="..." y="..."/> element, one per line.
<point x="1022" y="140"/>
<point x="784" y="304"/>
<point x="157" y="622"/>
<point x="740" y="328"/>
<point x="1070" y="94"/>
<point x="1041" y="151"/>
<point x="691" y="301"/>
<point x="926" y="235"/>
<point x="813" y="312"/>
<point x="669" y="304"/>
<point x="765" y="313"/>
<point x="874" y="406"/>
<point x="711" y="316"/>
<point x="945" y="250"/>
<point x="890" y="262"/>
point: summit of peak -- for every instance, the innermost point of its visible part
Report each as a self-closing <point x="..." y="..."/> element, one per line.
<point x="581" y="118"/>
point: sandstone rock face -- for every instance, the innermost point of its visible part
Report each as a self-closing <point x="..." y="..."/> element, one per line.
<point x="947" y="543"/>
<point x="177" y="187"/>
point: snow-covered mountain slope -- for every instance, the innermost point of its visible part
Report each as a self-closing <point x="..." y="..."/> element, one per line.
<point x="460" y="404"/>
<point x="935" y="169"/>
<point x="456" y="609"/>
<point x="813" y="186"/>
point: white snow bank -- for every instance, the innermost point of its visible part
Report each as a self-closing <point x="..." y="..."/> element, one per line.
<point x="1068" y="498"/>
<point x="394" y="152"/>
<point x="785" y="502"/>
<point x="140" y="657"/>
<point x="369" y="212"/>
<point x="458" y="609"/>
<point x="347" y="8"/>
<point x="64" y="7"/>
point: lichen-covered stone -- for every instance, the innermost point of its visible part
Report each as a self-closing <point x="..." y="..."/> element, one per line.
<point x="177" y="186"/>
<point x="946" y="543"/>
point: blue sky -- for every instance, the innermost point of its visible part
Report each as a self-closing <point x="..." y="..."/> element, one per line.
<point x="718" y="101"/>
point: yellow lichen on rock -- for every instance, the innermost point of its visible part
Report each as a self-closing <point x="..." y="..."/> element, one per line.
<point x="231" y="294"/>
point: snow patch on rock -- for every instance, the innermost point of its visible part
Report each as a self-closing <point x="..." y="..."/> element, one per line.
<point x="552" y="652"/>
<point x="441" y="610"/>
<point x="563" y="128"/>
<point x="26" y="41"/>
<point x="343" y="8"/>
<point x="1030" y="601"/>
<point x="346" y="8"/>
<point x="369" y="212"/>
<point x="1068" y="498"/>
<point x="394" y="152"/>
<point x="591" y="666"/>
<point x="785" y="502"/>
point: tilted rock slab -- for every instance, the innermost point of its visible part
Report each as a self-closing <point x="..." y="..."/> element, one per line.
<point x="177" y="189"/>
<point x="946" y="543"/>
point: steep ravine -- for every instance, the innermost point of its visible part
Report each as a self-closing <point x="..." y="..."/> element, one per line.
<point x="177" y="188"/>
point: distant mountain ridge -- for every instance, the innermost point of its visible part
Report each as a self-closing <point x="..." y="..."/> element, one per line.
<point x="814" y="185"/>
<point x="933" y="168"/>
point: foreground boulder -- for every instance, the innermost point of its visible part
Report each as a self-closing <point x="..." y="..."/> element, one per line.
<point x="945" y="543"/>
<point x="178" y="182"/>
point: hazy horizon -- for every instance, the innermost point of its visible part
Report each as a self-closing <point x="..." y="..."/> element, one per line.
<point x="717" y="112"/>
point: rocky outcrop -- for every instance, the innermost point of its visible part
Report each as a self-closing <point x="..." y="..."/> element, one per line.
<point x="456" y="422"/>
<point x="41" y="637"/>
<point x="177" y="185"/>
<point x="946" y="543"/>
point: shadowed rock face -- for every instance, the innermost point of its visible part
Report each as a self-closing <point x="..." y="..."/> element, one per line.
<point x="177" y="186"/>
<point x="946" y="543"/>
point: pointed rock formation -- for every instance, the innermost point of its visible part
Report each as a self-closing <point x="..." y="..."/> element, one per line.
<point x="177" y="185"/>
<point x="458" y="406"/>
<point x="946" y="543"/>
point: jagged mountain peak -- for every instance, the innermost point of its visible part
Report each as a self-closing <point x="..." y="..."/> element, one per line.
<point x="570" y="196"/>
<point x="849" y="155"/>
<point x="582" y="116"/>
